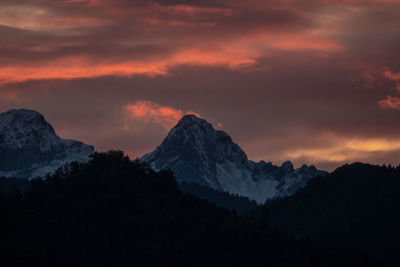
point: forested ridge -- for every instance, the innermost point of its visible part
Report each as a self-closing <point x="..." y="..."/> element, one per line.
<point x="113" y="211"/>
<point x="356" y="206"/>
<point x="222" y="199"/>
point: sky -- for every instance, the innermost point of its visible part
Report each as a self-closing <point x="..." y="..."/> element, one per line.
<point x="311" y="81"/>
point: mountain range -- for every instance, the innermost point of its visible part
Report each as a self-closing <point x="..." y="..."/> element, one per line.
<point x="29" y="146"/>
<point x="198" y="153"/>
<point x="193" y="150"/>
<point x="109" y="199"/>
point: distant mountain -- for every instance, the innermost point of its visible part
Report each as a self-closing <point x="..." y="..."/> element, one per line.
<point x="197" y="153"/>
<point x="29" y="146"/>
<point x="356" y="206"/>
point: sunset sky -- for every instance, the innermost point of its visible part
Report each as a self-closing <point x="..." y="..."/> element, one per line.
<point x="311" y="81"/>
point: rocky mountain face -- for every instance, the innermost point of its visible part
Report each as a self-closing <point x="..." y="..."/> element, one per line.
<point x="198" y="153"/>
<point x="29" y="146"/>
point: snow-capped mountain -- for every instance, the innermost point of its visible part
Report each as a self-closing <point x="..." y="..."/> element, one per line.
<point x="29" y="146"/>
<point x="198" y="153"/>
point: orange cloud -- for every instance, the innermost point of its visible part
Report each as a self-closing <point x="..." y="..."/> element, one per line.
<point x="258" y="43"/>
<point x="148" y="111"/>
<point x="390" y="103"/>
<point x="191" y="35"/>
<point x="229" y="57"/>
<point x="238" y="55"/>
<point x="362" y="1"/>
<point x="164" y="36"/>
<point x="85" y="67"/>
<point x="387" y="73"/>
<point x="343" y="149"/>
<point x="193" y="10"/>
<point x="77" y="68"/>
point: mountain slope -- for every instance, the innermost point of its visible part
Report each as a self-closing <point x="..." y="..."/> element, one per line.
<point x="356" y="206"/>
<point x="115" y="212"/>
<point x="197" y="153"/>
<point x="29" y="146"/>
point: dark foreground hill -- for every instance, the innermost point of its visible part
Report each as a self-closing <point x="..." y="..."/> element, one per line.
<point x="222" y="199"/>
<point x="10" y="185"/>
<point x="115" y="212"/>
<point x="357" y="206"/>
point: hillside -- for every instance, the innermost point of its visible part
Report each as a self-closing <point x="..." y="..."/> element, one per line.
<point x="356" y="206"/>
<point x="115" y="212"/>
<point x="222" y="199"/>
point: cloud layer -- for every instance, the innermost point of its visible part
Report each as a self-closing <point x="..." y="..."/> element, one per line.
<point x="311" y="81"/>
<point x="148" y="111"/>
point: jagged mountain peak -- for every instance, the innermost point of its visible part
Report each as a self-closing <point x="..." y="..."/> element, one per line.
<point x="192" y="128"/>
<point x="198" y="153"/>
<point x="21" y="128"/>
<point x="287" y="165"/>
<point x="24" y="118"/>
<point x="194" y="132"/>
<point x="200" y="128"/>
<point x="24" y="112"/>
<point x="191" y="122"/>
<point x="199" y="138"/>
<point x="23" y="115"/>
<point x="192" y="118"/>
<point x="30" y="147"/>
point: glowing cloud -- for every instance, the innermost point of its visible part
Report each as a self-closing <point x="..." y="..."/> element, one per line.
<point x="346" y="150"/>
<point x="193" y="10"/>
<point x="390" y="103"/>
<point x="91" y="38"/>
<point x="78" y="67"/>
<point x="148" y="111"/>
<point x="387" y="73"/>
